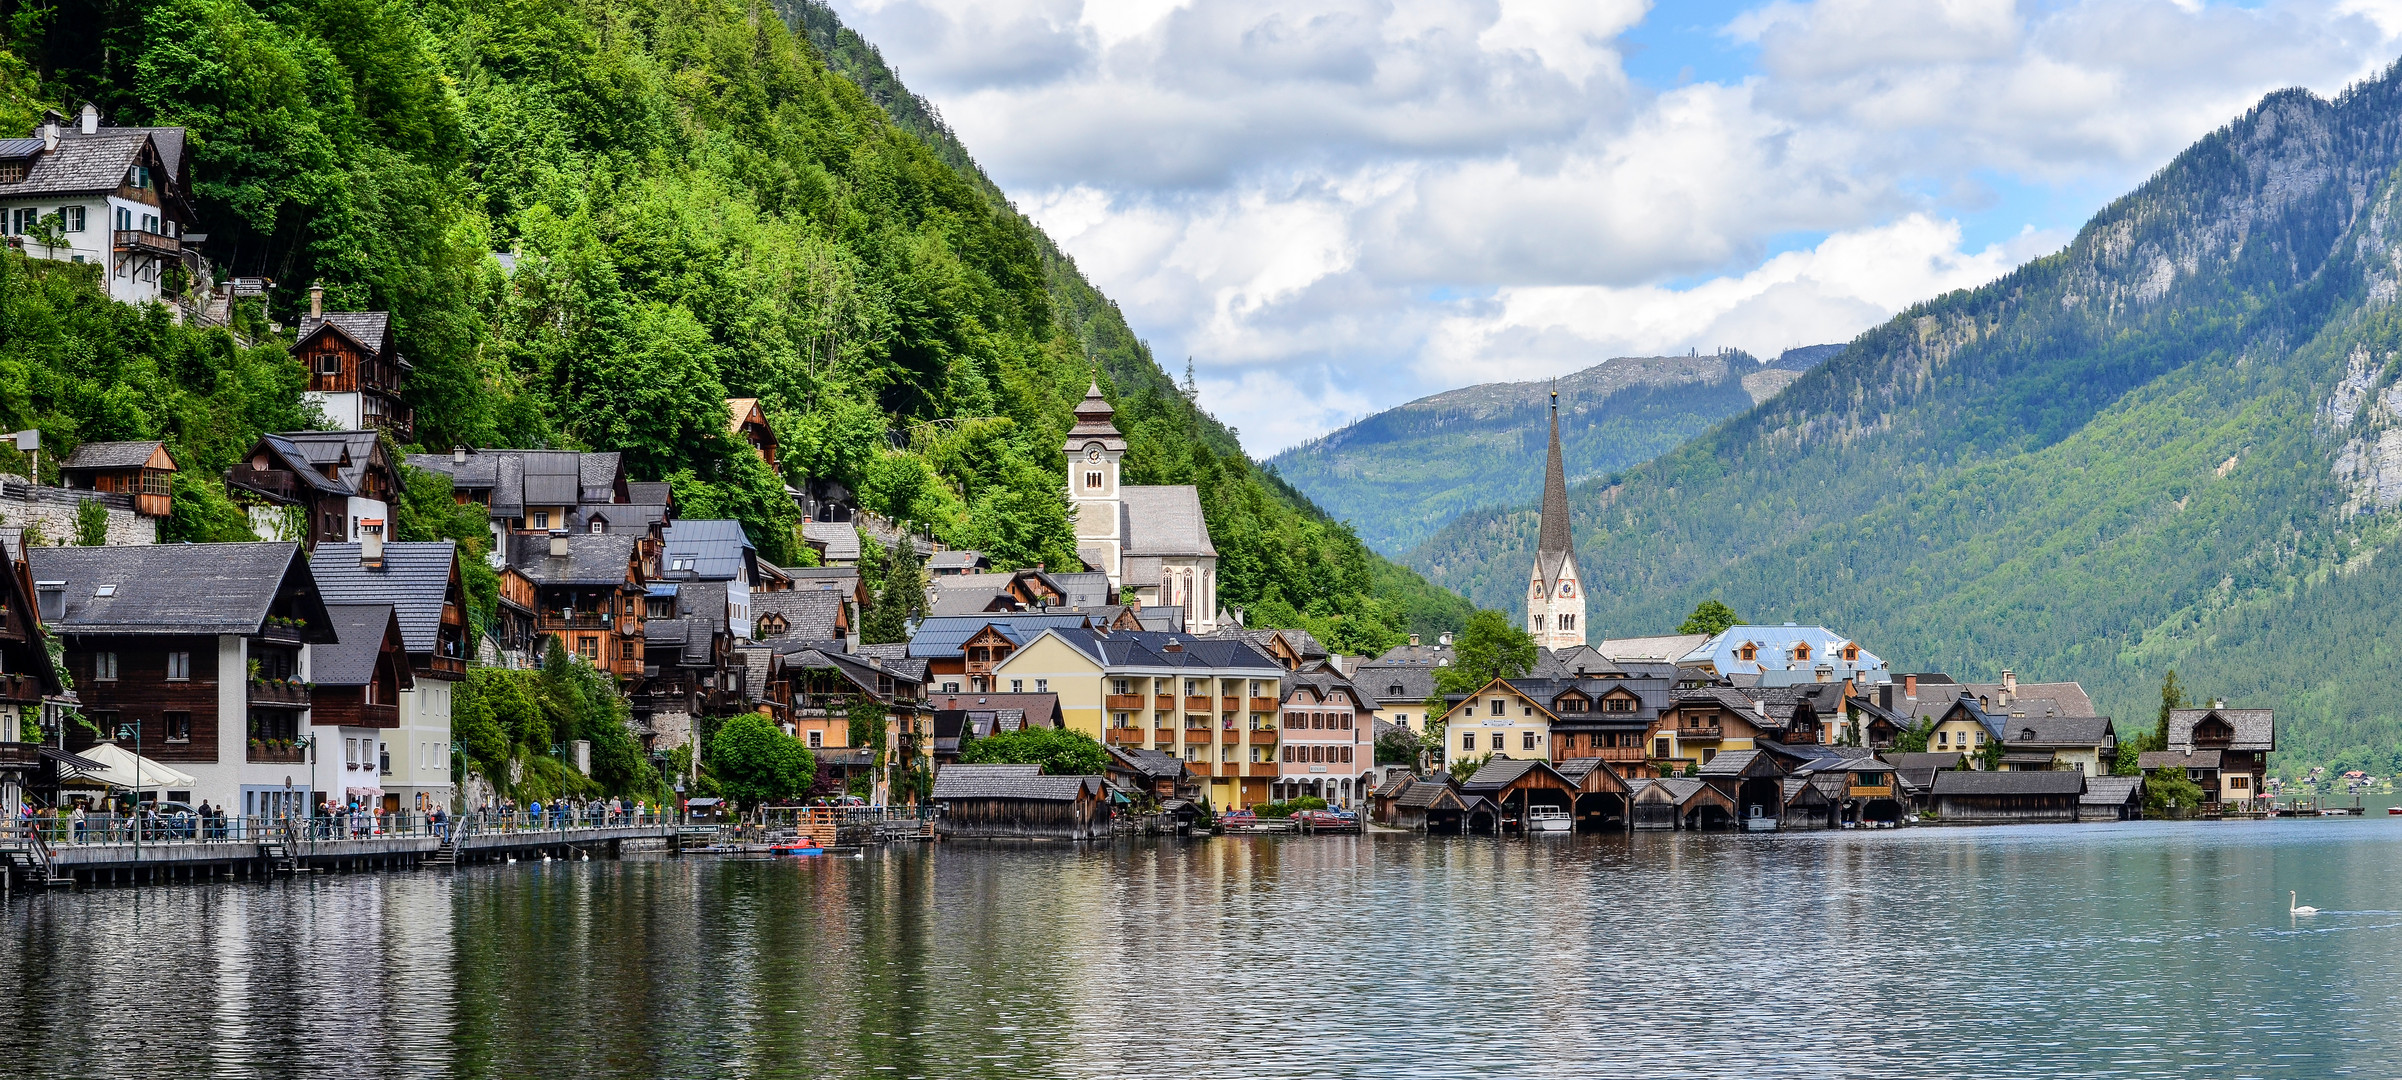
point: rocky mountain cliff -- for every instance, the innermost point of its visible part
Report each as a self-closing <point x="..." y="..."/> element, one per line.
<point x="2176" y="443"/>
<point x="1401" y="474"/>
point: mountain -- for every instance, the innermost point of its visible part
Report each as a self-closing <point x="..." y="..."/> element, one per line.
<point x="699" y="202"/>
<point x="2176" y="444"/>
<point x="1403" y="473"/>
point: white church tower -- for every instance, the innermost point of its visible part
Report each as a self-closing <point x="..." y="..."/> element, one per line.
<point x="1094" y="449"/>
<point x="1555" y="595"/>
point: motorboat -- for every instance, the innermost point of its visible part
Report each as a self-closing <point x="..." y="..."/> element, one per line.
<point x="1548" y="819"/>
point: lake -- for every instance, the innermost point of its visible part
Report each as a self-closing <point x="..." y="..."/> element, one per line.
<point x="2130" y="950"/>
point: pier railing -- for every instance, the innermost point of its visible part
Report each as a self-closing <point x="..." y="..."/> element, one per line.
<point x="186" y="829"/>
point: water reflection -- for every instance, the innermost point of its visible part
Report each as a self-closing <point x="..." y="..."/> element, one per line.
<point x="2122" y="950"/>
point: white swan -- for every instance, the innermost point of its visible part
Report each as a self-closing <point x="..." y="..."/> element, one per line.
<point x="2298" y="908"/>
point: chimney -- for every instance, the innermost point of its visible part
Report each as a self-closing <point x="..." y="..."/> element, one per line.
<point x="90" y="120"/>
<point x="2218" y="703"/>
<point x="2009" y="681"/>
<point x="49" y="132"/>
<point x="458" y="455"/>
<point x="1413" y="641"/>
<point x="1173" y="645"/>
<point x="317" y="300"/>
<point x="1444" y="640"/>
<point x="1910" y="686"/>
<point x="558" y="543"/>
<point x="371" y="543"/>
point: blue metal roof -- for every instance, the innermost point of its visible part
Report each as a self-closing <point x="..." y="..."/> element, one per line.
<point x="945" y="635"/>
<point x="713" y="549"/>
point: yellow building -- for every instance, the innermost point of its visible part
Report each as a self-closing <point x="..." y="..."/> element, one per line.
<point x="1963" y="729"/>
<point x="1211" y="701"/>
<point x="1497" y="721"/>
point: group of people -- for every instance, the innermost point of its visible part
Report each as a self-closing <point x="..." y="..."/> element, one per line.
<point x="562" y="813"/>
<point x="74" y="825"/>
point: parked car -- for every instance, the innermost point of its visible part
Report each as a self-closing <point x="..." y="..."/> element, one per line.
<point x="1326" y="818"/>
<point x="1238" y="819"/>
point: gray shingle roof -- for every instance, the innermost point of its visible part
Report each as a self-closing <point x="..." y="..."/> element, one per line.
<point x="1979" y="782"/>
<point x="2034" y="731"/>
<point x="1081" y="589"/>
<point x="2177" y="759"/>
<point x="1731" y="763"/>
<point x="1130" y="649"/>
<point x="2034" y="698"/>
<point x="956" y="560"/>
<point x="1163" y="520"/>
<point x="1010" y="782"/>
<point x="1497" y="774"/>
<point x="82" y="163"/>
<point x="592" y="558"/>
<point x="967" y="594"/>
<point x="2111" y="790"/>
<point x="323" y="448"/>
<point x="177" y="588"/>
<point x="808" y="615"/>
<point x="1422" y="793"/>
<point x="351" y="661"/>
<point x="840" y="538"/>
<point x="415" y="579"/>
<point x="112" y="455"/>
<point x="657" y="494"/>
<point x="372" y="330"/>
<point x="2255" y="729"/>
<point x="1390" y="683"/>
<point x="1154" y="764"/>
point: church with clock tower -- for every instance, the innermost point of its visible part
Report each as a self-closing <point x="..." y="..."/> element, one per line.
<point x="1149" y="538"/>
<point x="1555" y="592"/>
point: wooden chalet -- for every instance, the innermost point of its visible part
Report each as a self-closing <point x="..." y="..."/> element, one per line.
<point x="1018" y="802"/>
<point x="425" y="585"/>
<point x="201" y="643"/>
<point x="1812" y="801"/>
<point x="356" y="371"/>
<point x="359" y="678"/>
<point x="1969" y="796"/>
<point x="1515" y="787"/>
<point x="1601" y="795"/>
<point x="315" y="487"/>
<point x="1157" y="774"/>
<point x="2242" y="740"/>
<point x="812" y="687"/>
<point x="747" y="423"/>
<point x="142" y="471"/>
<point x="588" y="591"/>
<point x="511" y="640"/>
<point x="1428" y="804"/>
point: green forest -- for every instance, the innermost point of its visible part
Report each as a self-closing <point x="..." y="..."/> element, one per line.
<point x="2117" y="460"/>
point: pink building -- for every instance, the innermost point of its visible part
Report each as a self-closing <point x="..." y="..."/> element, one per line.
<point x="1329" y="740"/>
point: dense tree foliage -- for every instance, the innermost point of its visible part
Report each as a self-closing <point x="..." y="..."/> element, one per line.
<point x="1492" y="647"/>
<point x="509" y="725"/>
<point x="754" y="762"/>
<point x="1060" y="751"/>
<point x="692" y="204"/>
<point x="1710" y="617"/>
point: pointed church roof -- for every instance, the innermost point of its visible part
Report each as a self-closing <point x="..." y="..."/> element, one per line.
<point x="1555" y="538"/>
<point x="1093" y="424"/>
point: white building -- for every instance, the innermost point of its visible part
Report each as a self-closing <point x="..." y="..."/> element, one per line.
<point x="1150" y="539"/>
<point x="113" y="196"/>
<point x="1555" y="592"/>
<point x="423" y="583"/>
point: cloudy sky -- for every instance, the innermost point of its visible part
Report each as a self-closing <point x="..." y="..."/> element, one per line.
<point x="1335" y="206"/>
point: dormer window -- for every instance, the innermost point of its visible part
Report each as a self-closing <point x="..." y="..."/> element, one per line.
<point x="1801" y="650"/>
<point x="1748" y="653"/>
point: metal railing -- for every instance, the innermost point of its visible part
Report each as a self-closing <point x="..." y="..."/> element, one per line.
<point x="167" y="829"/>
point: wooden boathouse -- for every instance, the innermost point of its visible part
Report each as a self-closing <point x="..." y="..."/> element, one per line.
<point x="1019" y="802"/>
<point x="1997" y="798"/>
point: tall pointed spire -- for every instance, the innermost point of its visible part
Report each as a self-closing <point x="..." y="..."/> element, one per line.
<point x="1555" y="537"/>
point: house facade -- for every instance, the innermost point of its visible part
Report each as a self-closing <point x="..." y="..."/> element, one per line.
<point x="424" y="584"/>
<point x="206" y="647"/>
<point x="2241" y="738"/>
<point x="115" y="197"/>
<point x="315" y="487"/>
<point x="1212" y="702"/>
<point x="1499" y="720"/>
<point x="356" y="370"/>
<point x="1328" y="742"/>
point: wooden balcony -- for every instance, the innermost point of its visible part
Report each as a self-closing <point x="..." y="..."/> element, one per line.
<point x="379" y="716"/>
<point x="1712" y="731"/>
<point x="1199" y="705"/>
<point x="21" y="689"/>
<point x="1124" y="736"/>
<point x="1266" y="769"/>
<point x="279" y="695"/>
<point x="1230" y="704"/>
<point x="279" y="633"/>
<point x="1196" y="735"/>
<point x="1163" y="736"/>
<point x="149" y="243"/>
<point x="1884" y="791"/>
<point x="446" y="665"/>
<point x="1262" y="704"/>
<point x="575" y="620"/>
<point x="1623" y="753"/>
<point x="629" y="667"/>
<point x="1123" y="703"/>
<point x="260" y="754"/>
<point x="1163" y="703"/>
<point x="1263" y="737"/>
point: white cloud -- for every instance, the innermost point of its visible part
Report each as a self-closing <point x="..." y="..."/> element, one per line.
<point x="1336" y="205"/>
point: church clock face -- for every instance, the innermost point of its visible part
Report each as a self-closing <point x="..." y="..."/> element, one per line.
<point x="1092" y="454"/>
<point x="1567" y="588"/>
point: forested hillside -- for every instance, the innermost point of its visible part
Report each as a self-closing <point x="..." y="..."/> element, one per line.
<point x="1405" y="472"/>
<point x="2158" y="448"/>
<point x="697" y="207"/>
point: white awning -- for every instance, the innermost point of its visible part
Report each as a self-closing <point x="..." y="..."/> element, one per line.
<point x="118" y="769"/>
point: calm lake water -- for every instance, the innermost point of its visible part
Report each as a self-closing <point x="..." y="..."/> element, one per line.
<point x="2138" y="950"/>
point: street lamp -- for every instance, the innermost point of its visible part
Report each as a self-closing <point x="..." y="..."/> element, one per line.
<point x="132" y="729"/>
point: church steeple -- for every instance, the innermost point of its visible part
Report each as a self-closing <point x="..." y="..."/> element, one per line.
<point x="1555" y="537"/>
<point x="1555" y="599"/>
